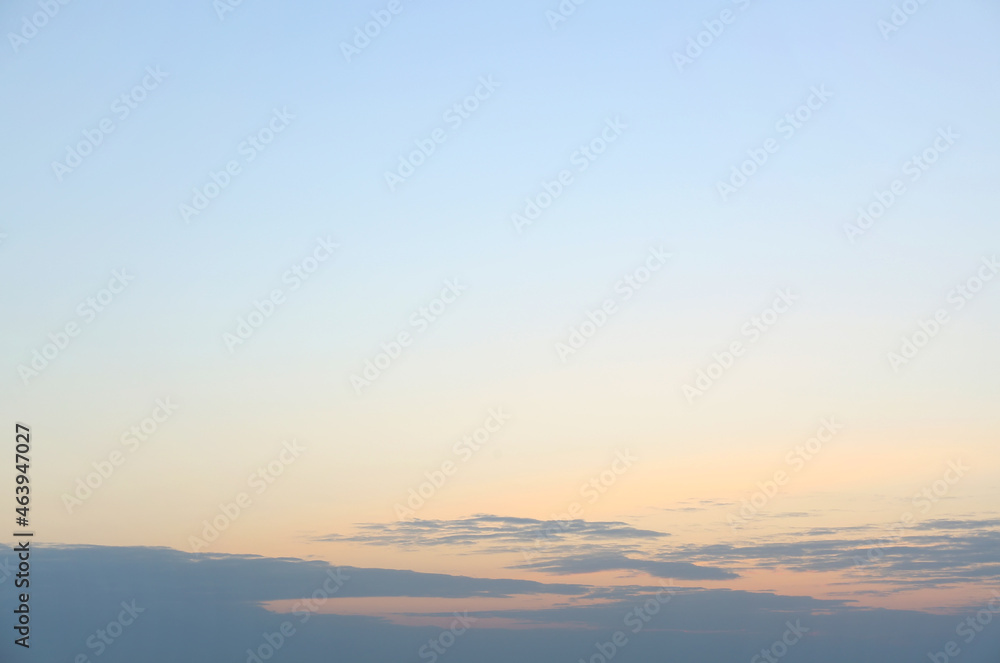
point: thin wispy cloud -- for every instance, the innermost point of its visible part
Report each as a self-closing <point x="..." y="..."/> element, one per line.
<point x="936" y="552"/>
<point x="612" y="562"/>
<point x="495" y="533"/>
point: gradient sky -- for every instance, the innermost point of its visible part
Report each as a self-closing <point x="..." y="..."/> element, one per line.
<point x="654" y="189"/>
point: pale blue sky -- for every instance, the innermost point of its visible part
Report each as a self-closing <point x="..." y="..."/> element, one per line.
<point x="324" y="175"/>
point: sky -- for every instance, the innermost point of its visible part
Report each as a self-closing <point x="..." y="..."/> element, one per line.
<point x="526" y="311"/>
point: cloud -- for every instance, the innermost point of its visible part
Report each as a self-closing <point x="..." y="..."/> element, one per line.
<point x="931" y="553"/>
<point x="240" y="578"/>
<point x="617" y="562"/>
<point x="208" y="608"/>
<point x="498" y="533"/>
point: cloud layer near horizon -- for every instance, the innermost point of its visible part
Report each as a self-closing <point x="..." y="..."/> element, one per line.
<point x="207" y="608"/>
